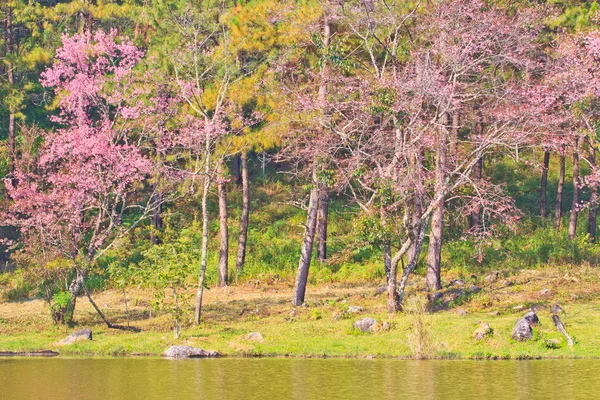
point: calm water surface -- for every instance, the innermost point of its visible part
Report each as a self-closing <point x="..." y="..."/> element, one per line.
<point x="149" y="379"/>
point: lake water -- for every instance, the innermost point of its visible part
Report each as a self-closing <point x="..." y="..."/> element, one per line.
<point x="152" y="378"/>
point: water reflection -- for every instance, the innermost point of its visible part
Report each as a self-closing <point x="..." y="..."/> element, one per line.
<point x="151" y="379"/>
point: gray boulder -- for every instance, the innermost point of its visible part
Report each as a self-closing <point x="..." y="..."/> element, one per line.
<point x="523" y="330"/>
<point x="188" y="352"/>
<point x="79" y="336"/>
<point x="365" y="324"/>
<point x="255" y="337"/>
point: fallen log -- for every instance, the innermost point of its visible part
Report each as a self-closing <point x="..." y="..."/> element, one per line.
<point x="561" y="329"/>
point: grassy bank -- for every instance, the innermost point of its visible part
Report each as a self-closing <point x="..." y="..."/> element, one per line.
<point x="324" y="326"/>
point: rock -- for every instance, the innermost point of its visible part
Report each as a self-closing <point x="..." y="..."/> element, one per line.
<point x="457" y="282"/>
<point x="386" y="326"/>
<point x="507" y="283"/>
<point x="482" y="331"/>
<point x="545" y="291"/>
<point x="255" y="337"/>
<point x="494" y="313"/>
<point x="474" y="288"/>
<point x="365" y="324"/>
<point x="520" y="307"/>
<point x="556" y="309"/>
<point x="462" y="312"/>
<point x="355" y="309"/>
<point x="380" y="290"/>
<point x="523" y="328"/>
<point x="188" y="352"/>
<point x="492" y="277"/>
<point x="84" y="334"/>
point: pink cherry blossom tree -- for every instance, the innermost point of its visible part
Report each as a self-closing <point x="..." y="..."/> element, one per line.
<point x="84" y="192"/>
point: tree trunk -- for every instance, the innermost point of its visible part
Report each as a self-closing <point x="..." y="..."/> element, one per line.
<point x="417" y="210"/>
<point x="241" y="255"/>
<point x="387" y="260"/>
<point x="544" y="184"/>
<point x="204" y="250"/>
<point x="307" y="247"/>
<point x="412" y="263"/>
<point x="593" y="207"/>
<point x="323" y="215"/>
<point x="313" y="203"/>
<point x="575" y="203"/>
<point x="235" y="169"/>
<point x="223" y="230"/>
<point x="432" y="280"/>
<point x="156" y="218"/>
<point x="475" y="217"/>
<point x="559" y="191"/>
<point x="392" y="288"/>
<point x="8" y="34"/>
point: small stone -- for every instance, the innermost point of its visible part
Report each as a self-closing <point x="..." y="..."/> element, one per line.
<point x="494" y="313"/>
<point x="462" y="312"/>
<point x="380" y="290"/>
<point x="188" y="352"/>
<point x="520" y="307"/>
<point x="545" y="291"/>
<point x="556" y="309"/>
<point x="365" y="324"/>
<point x="293" y="313"/>
<point x="355" y="309"/>
<point x="386" y="326"/>
<point x="493" y="277"/>
<point x="474" y="289"/>
<point x="482" y="331"/>
<point x="255" y="337"/>
<point x="507" y="283"/>
<point x="84" y="334"/>
<point x="457" y="282"/>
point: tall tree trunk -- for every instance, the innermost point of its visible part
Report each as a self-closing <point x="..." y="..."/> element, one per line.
<point x="9" y="43"/>
<point x="241" y="255"/>
<point x="322" y="217"/>
<point x="313" y="203"/>
<point x="432" y="280"/>
<point x="417" y="210"/>
<point x="559" y="191"/>
<point x="204" y="250"/>
<point x="156" y="218"/>
<point x="235" y="169"/>
<point x="223" y="229"/>
<point x="544" y="184"/>
<point x="593" y="207"/>
<point x="575" y="203"/>
<point x="475" y="217"/>
<point x="307" y="247"/>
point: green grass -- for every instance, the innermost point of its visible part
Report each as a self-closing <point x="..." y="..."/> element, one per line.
<point x="324" y="328"/>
